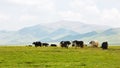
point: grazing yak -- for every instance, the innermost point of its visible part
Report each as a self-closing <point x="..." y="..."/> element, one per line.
<point x="104" y="45"/>
<point x="45" y="44"/>
<point x="53" y="45"/>
<point x="37" y="43"/>
<point x="65" y="44"/>
<point x="94" y="43"/>
<point x="77" y="43"/>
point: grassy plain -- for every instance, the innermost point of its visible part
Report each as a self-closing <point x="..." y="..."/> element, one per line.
<point x="57" y="57"/>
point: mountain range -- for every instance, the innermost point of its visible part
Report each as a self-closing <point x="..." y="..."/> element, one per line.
<point x="60" y="30"/>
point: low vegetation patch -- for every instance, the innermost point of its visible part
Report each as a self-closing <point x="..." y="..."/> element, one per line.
<point x="57" y="57"/>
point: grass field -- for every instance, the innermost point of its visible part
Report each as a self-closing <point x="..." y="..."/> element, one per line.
<point x="56" y="57"/>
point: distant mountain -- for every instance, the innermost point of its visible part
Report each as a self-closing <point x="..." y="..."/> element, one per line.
<point x="59" y="33"/>
<point x="36" y="31"/>
<point x="61" y="30"/>
<point x="15" y="38"/>
<point x="112" y="31"/>
<point x="76" y="26"/>
<point x="78" y="36"/>
<point x="111" y="35"/>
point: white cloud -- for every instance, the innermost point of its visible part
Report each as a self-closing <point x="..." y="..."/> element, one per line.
<point x="28" y="18"/>
<point x="83" y="10"/>
<point x="21" y="13"/>
<point x="40" y="4"/>
<point x="78" y="9"/>
<point x="3" y="17"/>
<point x="88" y="11"/>
<point x="111" y="17"/>
<point x="69" y="15"/>
<point x="81" y="5"/>
<point x="110" y="13"/>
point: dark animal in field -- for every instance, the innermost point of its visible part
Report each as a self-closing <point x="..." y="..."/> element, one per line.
<point x="94" y="43"/>
<point x="104" y="45"/>
<point x="53" y="45"/>
<point x="45" y="44"/>
<point x="65" y="44"/>
<point x="77" y="43"/>
<point x="37" y="43"/>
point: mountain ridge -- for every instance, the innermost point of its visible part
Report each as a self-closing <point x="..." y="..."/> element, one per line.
<point x="61" y="30"/>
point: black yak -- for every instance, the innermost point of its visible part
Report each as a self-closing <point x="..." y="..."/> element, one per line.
<point x="77" y="43"/>
<point x="104" y="45"/>
<point x="53" y="45"/>
<point x="65" y="44"/>
<point x="45" y="44"/>
<point x="37" y="43"/>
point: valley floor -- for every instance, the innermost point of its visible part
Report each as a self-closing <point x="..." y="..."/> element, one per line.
<point x="57" y="57"/>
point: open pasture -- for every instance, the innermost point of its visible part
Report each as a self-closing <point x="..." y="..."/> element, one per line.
<point x="57" y="57"/>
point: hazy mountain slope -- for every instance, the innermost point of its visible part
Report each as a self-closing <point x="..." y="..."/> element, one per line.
<point x="36" y="31"/>
<point x="59" y="33"/>
<point x="110" y="35"/>
<point x="15" y="38"/>
<point x="79" y="36"/>
<point x="76" y="26"/>
<point x="61" y="30"/>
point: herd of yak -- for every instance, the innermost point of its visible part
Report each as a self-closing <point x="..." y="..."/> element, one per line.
<point x="74" y="43"/>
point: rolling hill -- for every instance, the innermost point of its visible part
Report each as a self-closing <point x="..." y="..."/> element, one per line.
<point x="61" y="30"/>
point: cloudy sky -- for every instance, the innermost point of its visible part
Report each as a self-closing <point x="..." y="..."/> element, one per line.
<point x="16" y="14"/>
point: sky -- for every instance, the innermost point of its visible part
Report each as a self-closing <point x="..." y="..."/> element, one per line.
<point x="16" y="14"/>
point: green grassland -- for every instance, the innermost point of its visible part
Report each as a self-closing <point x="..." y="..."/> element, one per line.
<point x="57" y="57"/>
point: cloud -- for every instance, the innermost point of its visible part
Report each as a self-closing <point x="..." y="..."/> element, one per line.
<point x="22" y="13"/>
<point x="40" y="4"/>
<point x="3" y="17"/>
<point x="82" y="10"/>
<point x="27" y="17"/>
<point x="89" y="12"/>
<point x="110" y="13"/>
<point x="111" y="17"/>
<point x="85" y="7"/>
<point x="69" y="15"/>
